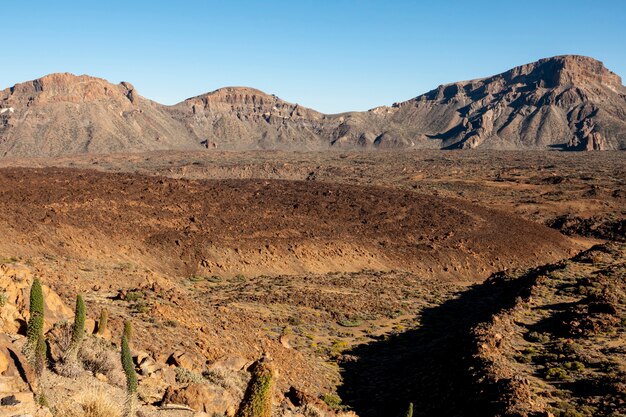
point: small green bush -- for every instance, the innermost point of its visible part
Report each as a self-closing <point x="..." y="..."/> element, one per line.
<point x="331" y="400"/>
<point x="574" y="366"/>
<point x="538" y="337"/>
<point x="185" y="376"/>
<point x="556" y="374"/>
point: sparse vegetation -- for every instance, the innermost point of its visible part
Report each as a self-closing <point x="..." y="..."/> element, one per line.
<point x="185" y="376"/>
<point x="94" y="403"/>
<point x="332" y="400"/>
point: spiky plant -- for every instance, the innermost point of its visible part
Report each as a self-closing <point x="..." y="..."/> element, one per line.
<point x="34" y="329"/>
<point x="41" y="351"/>
<point x="257" y="401"/>
<point x="128" y="330"/>
<point x="103" y="322"/>
<point x="78" y="329"/>
<point x="131" y="377"/>
<point x="409" y="411"/>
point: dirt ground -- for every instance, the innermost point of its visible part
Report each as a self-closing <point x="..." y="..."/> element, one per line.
<point x="311" y="257"/>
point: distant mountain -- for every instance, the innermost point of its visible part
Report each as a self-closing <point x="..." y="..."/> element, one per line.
<point x="245" y="118"/>
<point x="565" y="102"/>
<point x="568" y="102"/>
<point x="63" y="114"/>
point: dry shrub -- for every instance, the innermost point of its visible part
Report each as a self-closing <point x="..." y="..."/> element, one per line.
<point x="94" y="403"/>
<point x="69" y="368"/>
<point x="99" y="356"/>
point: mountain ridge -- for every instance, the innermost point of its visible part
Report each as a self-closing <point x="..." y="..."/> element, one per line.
<point x="566" y="102"/>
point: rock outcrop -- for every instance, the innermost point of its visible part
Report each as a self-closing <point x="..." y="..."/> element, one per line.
<point x="62" y="114"/>
<point x="566" y="102"/>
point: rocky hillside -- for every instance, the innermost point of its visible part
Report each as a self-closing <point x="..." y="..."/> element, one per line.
<point x="66" y="114"/>
<point x="543" y="342"/>
<point x="245" y="118"/>
<point x="566" y="102"/>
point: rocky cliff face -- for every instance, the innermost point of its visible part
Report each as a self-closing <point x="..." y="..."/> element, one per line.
<point x="67" y="114"/>
<point x="245" y="118"/>
<point x="566" y="102"/>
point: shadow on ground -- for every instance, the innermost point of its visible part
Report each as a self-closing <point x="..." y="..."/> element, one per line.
<point x="432" y="366"/>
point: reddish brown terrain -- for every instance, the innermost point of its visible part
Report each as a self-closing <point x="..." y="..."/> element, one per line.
<point x="352" y="271"/>
<point x="257" y="227"/>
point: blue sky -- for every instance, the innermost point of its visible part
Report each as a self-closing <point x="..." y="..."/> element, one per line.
<point x="330" y="55"/>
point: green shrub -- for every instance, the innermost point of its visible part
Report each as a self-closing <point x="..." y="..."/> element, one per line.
<point x="349" y="323"/>
<point x="331" y="400"/>
<point x="257" y="400"/>
<point x="538" y="337"/>
<point x="185" y="376"/>
<point x="556" y="374"/>
<point x="134" y="295"/>
<point x="574" y="366"/>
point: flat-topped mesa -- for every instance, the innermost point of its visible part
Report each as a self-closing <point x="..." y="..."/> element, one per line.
<point x="563" y="71"/>
<point x="248" y="99"/>
<point x="70" y="88"/>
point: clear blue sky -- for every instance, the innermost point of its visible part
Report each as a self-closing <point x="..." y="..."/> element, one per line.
<point x="333" y="56"/>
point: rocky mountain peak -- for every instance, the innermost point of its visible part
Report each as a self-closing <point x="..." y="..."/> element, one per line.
<point x="66" y="87"/>
<point x="564" y="70"/>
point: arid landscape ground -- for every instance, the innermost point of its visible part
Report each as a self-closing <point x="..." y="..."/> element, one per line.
<point x="459" y="281"/>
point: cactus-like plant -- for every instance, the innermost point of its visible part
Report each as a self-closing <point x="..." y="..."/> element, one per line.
<point x="257" y="401"/>
<point x="34" y="329"/>
<point x="131" y="377"/>
<point x="103" y="322"/>
<point x="409" y="411"/>
<point x="78" y="329"/>
<point x="128" y="330"/>
<point x="40" y="356"/>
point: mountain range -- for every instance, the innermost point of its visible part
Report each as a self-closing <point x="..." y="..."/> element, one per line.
<point x="565" y="102"/>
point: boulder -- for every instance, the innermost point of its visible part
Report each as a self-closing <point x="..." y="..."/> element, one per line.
<point x="185" y="360"/>
<point x="205" y="398"/>
<point x="16" y="280"/>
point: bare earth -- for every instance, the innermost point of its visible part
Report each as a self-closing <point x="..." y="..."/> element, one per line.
<point x="314" y="258"/>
